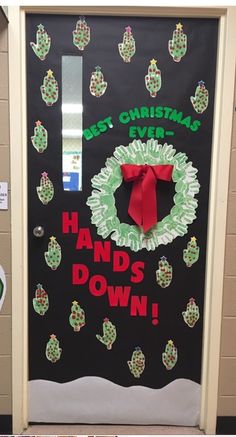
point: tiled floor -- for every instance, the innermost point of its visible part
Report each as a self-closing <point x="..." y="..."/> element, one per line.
<point x="109" y="430"/>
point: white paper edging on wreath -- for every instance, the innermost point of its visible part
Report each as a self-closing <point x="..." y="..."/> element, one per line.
<point x="105" y="183"/>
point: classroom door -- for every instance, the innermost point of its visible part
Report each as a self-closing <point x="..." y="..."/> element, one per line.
<point x="120" y="115"/>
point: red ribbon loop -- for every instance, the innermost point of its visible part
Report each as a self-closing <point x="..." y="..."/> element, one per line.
<point x="143" y="202"/>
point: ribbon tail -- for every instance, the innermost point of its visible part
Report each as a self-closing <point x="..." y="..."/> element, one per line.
<point x="149" y="201"/>
<point x="135" y="202"/>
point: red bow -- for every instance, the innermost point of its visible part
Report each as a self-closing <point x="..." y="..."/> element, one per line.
<point x="143" y="201"/>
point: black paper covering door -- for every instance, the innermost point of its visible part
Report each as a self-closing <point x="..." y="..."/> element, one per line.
<point x="116" y="310"/>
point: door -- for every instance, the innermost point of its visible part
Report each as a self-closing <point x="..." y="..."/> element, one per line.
<point x="120" y="114"/>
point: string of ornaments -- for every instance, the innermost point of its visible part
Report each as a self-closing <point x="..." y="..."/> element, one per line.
<point x="177" y="47"/>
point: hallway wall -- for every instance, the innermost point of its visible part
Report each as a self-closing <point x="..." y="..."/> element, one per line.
<point x="5" y="227"/>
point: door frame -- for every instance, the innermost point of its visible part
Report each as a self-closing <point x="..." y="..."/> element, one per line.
<point x="222" y="130"/>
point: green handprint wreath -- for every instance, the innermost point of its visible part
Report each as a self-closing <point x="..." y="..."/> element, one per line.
<point x="105" y="183"/>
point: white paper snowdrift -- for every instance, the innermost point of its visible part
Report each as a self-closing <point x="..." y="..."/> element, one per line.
<point x="96" y="400"/>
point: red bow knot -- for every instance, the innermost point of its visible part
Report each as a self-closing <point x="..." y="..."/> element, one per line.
<point x="143" y="202"/>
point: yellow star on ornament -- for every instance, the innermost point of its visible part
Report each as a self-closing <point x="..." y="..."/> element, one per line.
<point x="52" y="239"/>
<point x="74" y="302"/>
<point x="179" y="26"/>
<point x="50" y="73"/>
<point x="53" y="336"/>
<point x="193" y="239"/>
<point x="170" y="342"/>
<point x="153" y="61"/>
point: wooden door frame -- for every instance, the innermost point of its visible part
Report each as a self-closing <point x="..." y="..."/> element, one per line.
<point x="223" y="115"/>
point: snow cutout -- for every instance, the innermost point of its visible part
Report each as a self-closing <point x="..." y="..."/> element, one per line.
<point x="96" y="400"/>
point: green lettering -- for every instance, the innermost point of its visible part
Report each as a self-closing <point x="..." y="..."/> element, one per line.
<point x="102" y="126"/>
<point x="108" y="121"/>
<point x="186" y="121"/>
<point x="176" y="116"/>
<point x="151" y="132"/>
<point x="132" y="132"/>
<point x="159" y="112"/>
<point x="160" y="132"/>
<point x="124" y="118"/>
<point x="95" y="130"/>
<point x="134" y="113"/>
<point x="167" y="111"/>
<point x="87" y="134"/>
<point x="144" y="111"/>
<point x="195" y="125"/>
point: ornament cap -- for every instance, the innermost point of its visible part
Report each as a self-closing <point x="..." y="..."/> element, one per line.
<point x="40" y="27"/>
<point x="163" y="258"/>
<point x="153" y="61"/>
<point x="137" y="348"/>
<point x="38" y="123"/>
<point x="179" y="26"/>
<point x="201" y="83"/>
<point x="97" y="68"/>
<point x="50" y="73"/>
<point x="39" y="286"/>
<point x="128" y="29"/>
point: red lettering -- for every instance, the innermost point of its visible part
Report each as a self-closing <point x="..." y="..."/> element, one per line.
<point x="138" y="306"/>
<point x="80" y="274"/>
<point x="70" y="222"/>
<point x="120" y="261"/>
<point x="102" y="251"/>
<point x="137" y="270"/>
<point x="84" y="239"/>
<point x="97" y="285"/>
<point x="118" y="296"/>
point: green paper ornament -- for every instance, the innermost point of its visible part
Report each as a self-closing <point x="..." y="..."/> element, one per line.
<point x="191" y="254"/>
<point x="97" y="84"/>
<point x="49" y="89"/>
<point x="53" y="255"/>
<point x="178" y="44"/>
<point x="81" y="34"/>
<point x="43" y="43"/>
<point x="201" y="98"/>
<point x="170" y="356"/>
<point x="46" y="190"/>
<point x="137" y="363"/>
<point x="40" y="137"/>
<point x="127" y="47"/>
<point x="40" y="302"/>
<point x="153" y="78"/>
<point x="164" y="273"/>
<point x="53" y="351"/>
<point x="191" y="315"/>
<point x="77" y="317"/>
<point x="109" y="334"/>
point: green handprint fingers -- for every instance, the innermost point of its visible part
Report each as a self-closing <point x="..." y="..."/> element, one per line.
<point x="137" y="362"/>
<point x="191" y="254"/>
<point x="201" y="98"/>
<point x="178" y="45"/>
<point x="191" y="315"/>
<point x="109" y="334"/>
<point x="43" y="43"/>
<point x="164" y="273"/>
